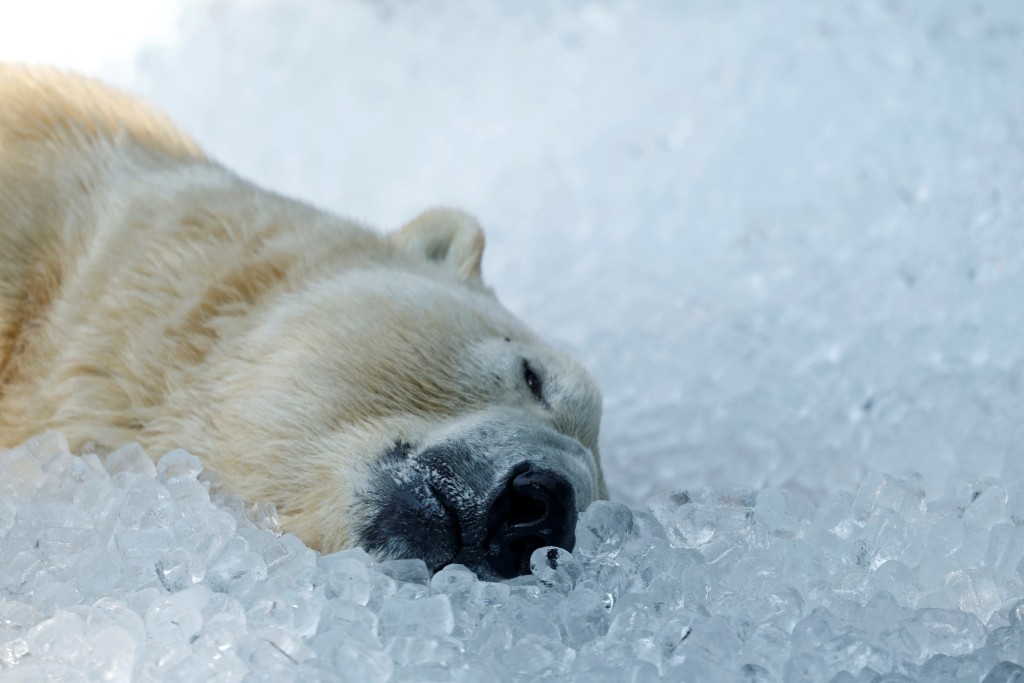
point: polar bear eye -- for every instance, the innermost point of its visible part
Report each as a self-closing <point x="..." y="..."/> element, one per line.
<point x="532" y="381"/>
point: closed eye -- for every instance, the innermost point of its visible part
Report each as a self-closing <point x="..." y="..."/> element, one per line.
<point x="533" y="381"/>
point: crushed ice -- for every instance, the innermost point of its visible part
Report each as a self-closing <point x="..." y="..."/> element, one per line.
<point x="115" y="568"/>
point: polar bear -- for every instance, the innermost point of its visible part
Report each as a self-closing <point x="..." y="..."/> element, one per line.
<point x="370" y="386"/>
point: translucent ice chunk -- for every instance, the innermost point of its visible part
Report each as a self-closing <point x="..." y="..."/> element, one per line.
<point x="454" y="579"/>
<point x="107" y="612"/>
<point x="603" y="529"/>
<point x="419" y="651"/>
<point x="351" y="619"/>
<point x="533" y="656"/>
<point x="8" y="513"/>
<point x="407" y="571"/>
<point x="178" y="465"/>
<point x="349" y="580"/>
<point x="555" y="567"/>
<point x="111" y="654"/>
<point x="130" y="458"/>
<point x="426" y="616"/>
<point x="881" y="491"/>
<point x="951" y="632"/>
<point x="1005" y="672"/>
<point x="988" y="508"/>
<point x="236" y="573"/>
<point x="180" y="568"/>
<point x="177" y="618"/>
<point x="264" y="516"/>
<point x="584" y="616"/>
<point x="354" y="660"/>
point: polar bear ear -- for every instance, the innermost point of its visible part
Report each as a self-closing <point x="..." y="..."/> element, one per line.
<point x="450" y="237"/>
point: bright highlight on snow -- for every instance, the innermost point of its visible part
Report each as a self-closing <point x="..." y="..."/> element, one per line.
<point x="785" y="237"/>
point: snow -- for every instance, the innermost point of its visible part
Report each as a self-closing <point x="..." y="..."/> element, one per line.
<point x="785" y="237"/>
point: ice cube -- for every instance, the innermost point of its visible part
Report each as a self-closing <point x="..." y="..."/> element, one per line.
<point x="988" y="507"/>
<point x="177" y="466"/>
<point x="950" y="632"/>
<point x="349" y="580"/>
<point x="452" y="580"/>
<point x="177" y="618"/>
<point x="236" y="573"/>
<point x="180" y="568"/>
<point x="603" y="529"/>
<point x="533" y="656"/>
<point x="130" y="458"/>
<point x="1005" y="672"/>
<point x="264" y="516"/>
<point x="108" y="612"/>
<point x="8" y="513"/>
<point x="64" y="632"/>
<point x="409" y="651"/>
<point x="289" y="556"/>
<point x="351" y="619"/>
<point x="348" y="659"/>
<point x="111" y="654"/>
<point x="555" y="567"/>
<point x="584" y="616"/>
<point x="880" y="491"/>
<point x="1016" y="615"/>
<point x="407" y="571"/>
<point x="425" y="616"/>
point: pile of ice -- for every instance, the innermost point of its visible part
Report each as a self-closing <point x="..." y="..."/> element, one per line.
<point x="118" y="568"/>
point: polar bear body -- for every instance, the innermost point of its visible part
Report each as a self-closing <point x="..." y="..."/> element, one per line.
<point x="148" y="294"/>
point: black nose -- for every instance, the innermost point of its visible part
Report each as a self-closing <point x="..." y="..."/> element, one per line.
<point x="535" y="508"/>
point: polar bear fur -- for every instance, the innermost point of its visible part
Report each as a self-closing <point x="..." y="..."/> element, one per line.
<point x="149" y="295"/>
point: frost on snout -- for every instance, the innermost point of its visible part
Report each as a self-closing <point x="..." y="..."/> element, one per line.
<point x="486" y="499"/>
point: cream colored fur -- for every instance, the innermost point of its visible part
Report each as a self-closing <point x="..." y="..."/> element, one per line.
<point x="148" y="294"/>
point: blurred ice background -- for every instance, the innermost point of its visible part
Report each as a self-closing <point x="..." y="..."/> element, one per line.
<point x="787" y="237"/>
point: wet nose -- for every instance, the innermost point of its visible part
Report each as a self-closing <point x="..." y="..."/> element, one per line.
<point x="536" y="508"/>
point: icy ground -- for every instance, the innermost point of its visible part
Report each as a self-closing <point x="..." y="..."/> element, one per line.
<point x="788" y="239"/>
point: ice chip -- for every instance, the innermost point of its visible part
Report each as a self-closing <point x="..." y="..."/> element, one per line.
<point x="108" y="612"/>
<point x="584" y="616"/>
<point x="1016" y="615"/>
<point x="61" y="633"/>
<point x="189" y="494"/>
<point x="264" y="516"/>
<point x="8" y="513"/>
<point x="236" y="573"/>
<point x="130" y="458"/>
<point x="532" y="656"/>
<point x="988" y="507"/>
<point x="603" y="529"/>
<point x="111" y="654"/>
<point x="179" y="568"/>
<point x="349" y="579"/>
<point x="951" y="632"/>
<point x="351" y="659"/>
<point x="407" y="651"/>
<point x="352" y="619"/>
<point x="425" y="616"/>
<point x="880" y="491"/>
<point x="555" y="567"/>
<point x="1005" y="672"/>
<point x="694" y="525"/>
<point x="407" y="571"/>
<point x="453" y="579"/>
<point x="177" y="618"/>
<point x="178" y="465"/>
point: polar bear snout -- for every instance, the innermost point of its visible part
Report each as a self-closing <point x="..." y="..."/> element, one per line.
<point x="536" y="507"/>
<point x="485" y="494"/>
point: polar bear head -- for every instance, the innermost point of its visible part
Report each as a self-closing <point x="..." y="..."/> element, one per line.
<point x="398" y="406"/>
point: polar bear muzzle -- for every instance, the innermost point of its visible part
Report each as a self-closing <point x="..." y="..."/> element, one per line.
<point x="485" y="496"/>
